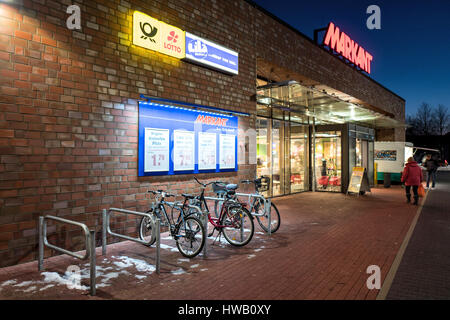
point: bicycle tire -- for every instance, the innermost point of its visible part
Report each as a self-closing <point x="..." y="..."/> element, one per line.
<point x="193" y="230"/>
<point x="235" y="231"/>
<point x="275" y="219"/>
<point x="145" y="227"/>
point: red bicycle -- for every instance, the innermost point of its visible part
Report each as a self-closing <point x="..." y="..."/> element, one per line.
<point x="234" y="221"/>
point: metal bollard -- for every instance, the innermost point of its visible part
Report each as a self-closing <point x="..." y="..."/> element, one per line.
<point x="205" y="224"/>
<point x="269" y="211"/>
<point x="158" y="245"/>
<point x="92" y="263"/>
<point x="104" y="224"/>
<point x="41" y="244"/>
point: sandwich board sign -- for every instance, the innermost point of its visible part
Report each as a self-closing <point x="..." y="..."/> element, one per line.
<point x="359" y="182"/>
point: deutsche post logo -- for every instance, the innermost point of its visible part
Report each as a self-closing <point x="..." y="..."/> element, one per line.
<point x="149" y="32"/>
<point x="158" y="36"/>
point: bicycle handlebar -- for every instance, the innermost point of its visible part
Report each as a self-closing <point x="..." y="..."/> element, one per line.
<point x="207" y="184"/>
<point x="162" y="192"/>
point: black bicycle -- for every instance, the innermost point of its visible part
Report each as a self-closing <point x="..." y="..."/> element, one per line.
<point x="184" y="226"/>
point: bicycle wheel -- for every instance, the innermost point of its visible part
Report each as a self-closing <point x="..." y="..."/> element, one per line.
<point x="146" y="231"/>
<point x="190" y="236"/>
<point x="238" y="226"/>
<point x="263" y="220"/>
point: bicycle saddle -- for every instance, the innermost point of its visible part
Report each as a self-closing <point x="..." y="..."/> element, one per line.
<point x="231" y="187"/>
<point x="188" y="196"/>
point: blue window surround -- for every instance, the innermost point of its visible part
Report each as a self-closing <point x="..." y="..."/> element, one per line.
<point x="167" y="116"/>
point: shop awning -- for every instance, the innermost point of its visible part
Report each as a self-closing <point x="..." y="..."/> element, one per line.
<point x="322" y="105"/>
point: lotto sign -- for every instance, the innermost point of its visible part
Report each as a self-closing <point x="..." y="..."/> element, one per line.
<point x="158" y="36"/>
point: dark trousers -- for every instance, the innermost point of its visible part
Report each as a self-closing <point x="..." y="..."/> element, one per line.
<point x="431" y="176"/>
<point x="408" y="191"/>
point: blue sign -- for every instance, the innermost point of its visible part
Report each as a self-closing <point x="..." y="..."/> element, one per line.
<point x="176" y="140"/>
<point x="208" y="53"/>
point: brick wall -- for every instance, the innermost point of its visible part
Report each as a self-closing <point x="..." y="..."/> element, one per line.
<point x="69" y="105"/>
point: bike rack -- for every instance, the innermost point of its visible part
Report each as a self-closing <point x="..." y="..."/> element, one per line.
<point x="106" y="229"/>
<point x="267" y="204"/>
<point x="90" y="246"/>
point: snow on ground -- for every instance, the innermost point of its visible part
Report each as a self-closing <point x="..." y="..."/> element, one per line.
<point x="116" y="266"/>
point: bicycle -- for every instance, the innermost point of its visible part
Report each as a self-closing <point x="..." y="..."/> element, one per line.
<point x="187" y="230"/>
<point x="257" y="207"/>
<point x="234" y="221"/>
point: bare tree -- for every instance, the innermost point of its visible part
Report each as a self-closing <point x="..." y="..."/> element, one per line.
<point x="441" y="119"/>
<point x="424" y="120"/>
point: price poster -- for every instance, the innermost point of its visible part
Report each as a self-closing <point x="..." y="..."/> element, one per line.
<point x="206" y="150"/>
<point x="156" y="150"/>
<point x="227" y="151"/>
<point x="183" y="150"/>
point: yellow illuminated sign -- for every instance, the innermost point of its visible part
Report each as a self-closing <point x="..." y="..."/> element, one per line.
<point x="158" y="36"/>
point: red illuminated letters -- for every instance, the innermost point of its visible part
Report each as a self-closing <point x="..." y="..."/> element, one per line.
<point x="213" y="121"/>
<point x="341" y="43"/>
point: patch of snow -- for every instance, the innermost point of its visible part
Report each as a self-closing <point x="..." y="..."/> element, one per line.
<point x="23" y="284"/>
<point x="194" y="265"/>
<point x="140" y="265"/>
<point x="165" y="246"/>
<point x="46" y="287"/>
<point x="178" y="271"/>
<point x="30" y="289"/>
<point x="250" y="256"/>
<point x="55" y="277"/>
<point x="9" y="282"/>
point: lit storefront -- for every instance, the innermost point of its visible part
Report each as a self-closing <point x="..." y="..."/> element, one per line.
<point x="310" y="140"/>
<point x="150" y="95"/>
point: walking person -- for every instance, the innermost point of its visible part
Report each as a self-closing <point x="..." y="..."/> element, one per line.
<point x="412" y="177"/>
<point x="431" y="165"/>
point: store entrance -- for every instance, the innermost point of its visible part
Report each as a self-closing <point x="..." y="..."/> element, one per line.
<point x="282" y="155"/>
<point x="328" y="161"/>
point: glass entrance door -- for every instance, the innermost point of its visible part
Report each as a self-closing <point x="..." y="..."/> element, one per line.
<point x="328" y="169"/>
<point x="282" y="155"/>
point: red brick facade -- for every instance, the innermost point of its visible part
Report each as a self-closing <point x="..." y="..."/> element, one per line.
<point x="69" y="110"/>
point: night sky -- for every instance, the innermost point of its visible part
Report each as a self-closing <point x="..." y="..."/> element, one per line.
<point x="411" y="51"/>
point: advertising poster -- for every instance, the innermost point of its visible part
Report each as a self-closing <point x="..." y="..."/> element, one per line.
<point x="227" y="151"/>
<point x="206" y="150"/>
<point x="387" y="155"/>
<point x="183" y="150"/>
<point x="175" y="140"/>
<point x="156" y="150"/>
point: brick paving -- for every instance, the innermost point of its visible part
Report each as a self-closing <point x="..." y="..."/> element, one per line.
<point x="321" y="251"/>
<point x="424" y="270"/>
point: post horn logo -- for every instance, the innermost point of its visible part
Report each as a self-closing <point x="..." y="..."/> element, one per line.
<point x="148" y="34"/>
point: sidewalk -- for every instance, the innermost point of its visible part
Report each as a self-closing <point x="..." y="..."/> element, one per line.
<point x="424" y="270"/>
<point x="322" y="250"/>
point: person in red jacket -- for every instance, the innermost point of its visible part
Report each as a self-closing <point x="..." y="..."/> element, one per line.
<point x="412" y="177"/>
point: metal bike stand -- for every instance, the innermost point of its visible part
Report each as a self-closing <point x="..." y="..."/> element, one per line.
<point x="106" y="229"/>
<point x="267" y="207"/>
<point x="90" y="246"/>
